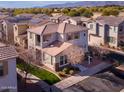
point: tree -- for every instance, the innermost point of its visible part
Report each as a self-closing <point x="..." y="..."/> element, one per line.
<point x="75" y="54"/>
<point x="47" y="11"/>
<point x="87" y="13"/>
<point x="65" y="10"/>
<point x="81" y="10"/>
<point x="110" y="11"/>
<point x="73" y="13"/>
<point x="27" y="58"/>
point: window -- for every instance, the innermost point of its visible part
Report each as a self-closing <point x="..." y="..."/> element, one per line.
<point x="69" y="37"/>
<point x="1" y="69"/>
<point x="111" y="40"/>
<point x="84" y="25"/>
<point x="31" y="35"/>
<point x="63" y="60"/>
<point x="15" y="28"/>
<point x="91" y="26"/>
<point x="121" y="28"/>
<point x="38" y="38"/>
<point x="46" y="38"/>
<point x="76" y="35"/>
<point x="84" y="34"/>
<point x="66" y="59"/>
<point x="114" y="29"/>
<point x="51" y="60"/>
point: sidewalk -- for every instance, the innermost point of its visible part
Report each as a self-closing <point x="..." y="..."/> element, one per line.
<point x="79" y="77"/>
<point x="113" y="50"/>
<point x="44" y="86"/>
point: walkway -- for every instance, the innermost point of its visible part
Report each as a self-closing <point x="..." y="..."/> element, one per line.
<point x="44" y="86"/>
<point x="113" y="50"/>
<point x="79" y="77"/>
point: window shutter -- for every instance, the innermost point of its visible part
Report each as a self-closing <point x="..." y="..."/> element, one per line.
<point x="5" y="69"/>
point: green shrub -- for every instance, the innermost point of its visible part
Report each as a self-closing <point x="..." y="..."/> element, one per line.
<point x="61" y="74"/>
<point x="65" y="70"/>
<point x="71" y="72"/>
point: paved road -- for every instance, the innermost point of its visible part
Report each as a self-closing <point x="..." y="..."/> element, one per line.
<point x="28" y="87"/>
<point x="79" y="77"/>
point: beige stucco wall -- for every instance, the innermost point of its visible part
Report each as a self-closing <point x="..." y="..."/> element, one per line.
<point x="8" y="31"/>
<point x="95" y="40"/>
<point x="19" y="29"/>
<point x="9" y="81"/>
<point x="51" y="39"/>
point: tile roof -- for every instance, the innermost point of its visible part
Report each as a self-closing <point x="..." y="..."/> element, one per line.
<point x="7" y="52"/>
<point x="38" y="22"/>
<point x="65" y="28"/>
<point x="110" y="20"/>
<point x="56" y="48"/>
<point x="45" y="29"/>
<point x="60" y="28"/>
<point x="76" y="18"/>
<point x="60" y="17"/>
<point x="42" y="16"/>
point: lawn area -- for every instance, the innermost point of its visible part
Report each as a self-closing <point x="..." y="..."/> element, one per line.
<point x="43" y="74"/>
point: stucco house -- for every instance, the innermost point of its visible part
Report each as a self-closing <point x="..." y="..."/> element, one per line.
<point x="8" y="75"/>
<point x="7" y="29"/>
<point x="49" y="43"/>
<point x="106" y="30"/>
<point x="25" y="16"/>
<point x="8" y="26"/>
<point x="59" y="18"/>
<point x="20" y="34"/>
<point x="83" y="21"/>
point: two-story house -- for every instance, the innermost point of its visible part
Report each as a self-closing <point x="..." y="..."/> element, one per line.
<point x="20" y="34"/>
<point x="83" y="21"/>
<point x="106" y="30"/>
<point x="59" y="18"/>
<point x="8" y="75"/>
<point x="49" y="42"/>
<point x="7" y="29"/>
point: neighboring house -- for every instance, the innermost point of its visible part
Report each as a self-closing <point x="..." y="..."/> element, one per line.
<point x="7" y="29"/>
<point x="106" y="30"/>
<point x="50" y="41"/>
<point x="8" y="23"/>
<point x="37" y="22"/>
<point x="41" y="16"/>
<point x="20" y="34"/>
<point x="56" y="14"/>
<point x="78" y="21"/>
<point x="25" y="16"/>
<point x="2" y="16"/>
<point x="59" y="18"/>
<point x="8" y="75"/>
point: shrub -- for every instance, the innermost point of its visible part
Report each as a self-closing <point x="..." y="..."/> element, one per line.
<point x="101" y="44"/>
<point x="62" y="74"/>
<point x="113" y="47"/>
<point x="71" y="72"/>
<point x="65" y="70"/>
<point x="116" y="63"/>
